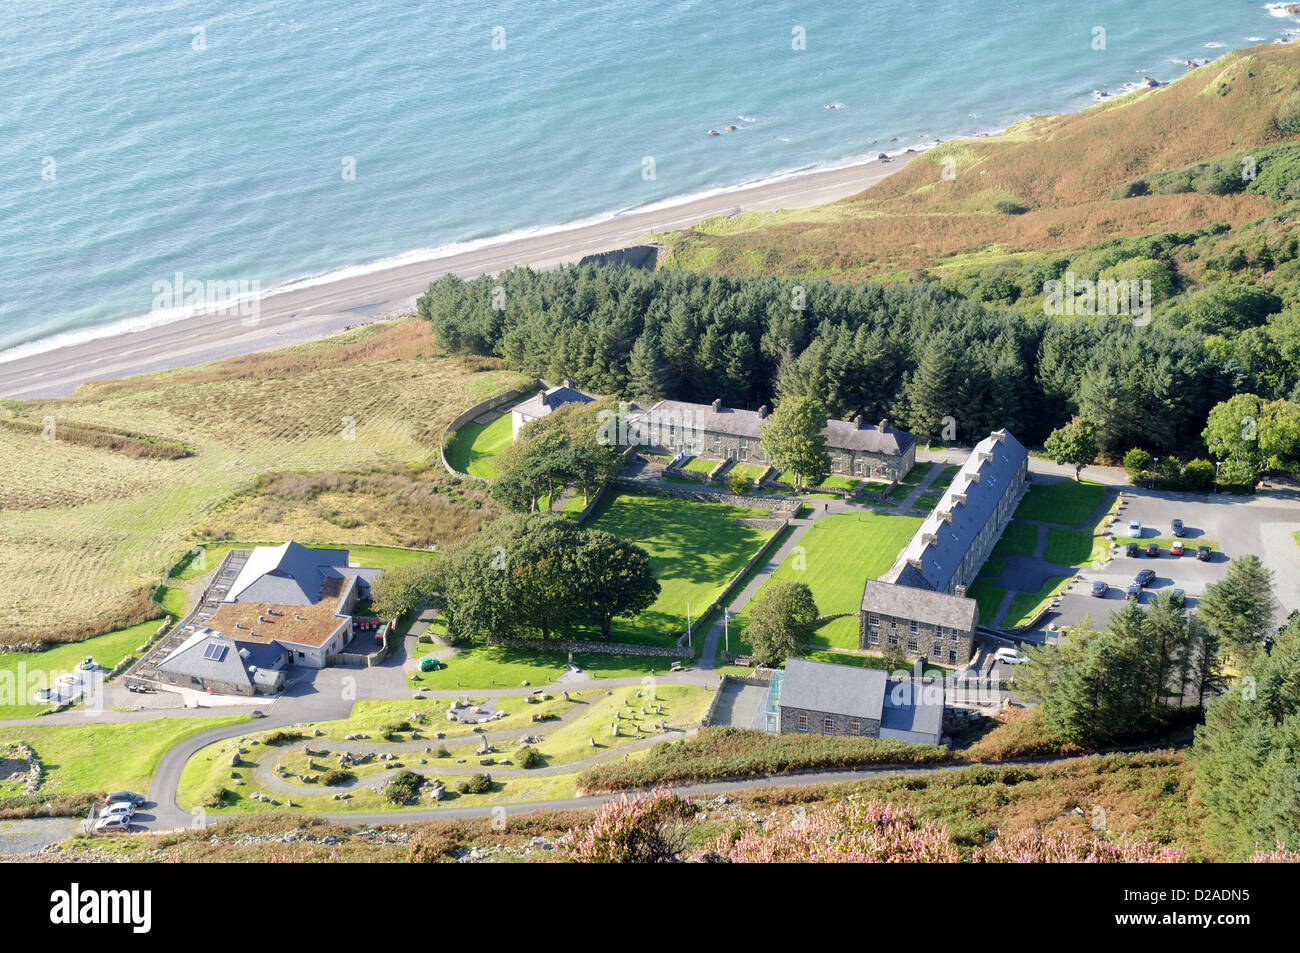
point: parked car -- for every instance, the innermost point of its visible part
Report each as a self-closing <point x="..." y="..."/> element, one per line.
<point x="1134" y="591"/>
<point x="112" y="822"/>
<point x="1153" y="550"/>
<point x="1010" y="656"/>
<point x="1176" y="527"/>
<point x="428" y="664"/>
<point x="130" y="797"/>
<point x="1204" y="553"/>
<point x="1134" y="528"/>
<point x="1100" y="588"/>
<point x="1133" y="549"/>
<point x="1144" y="578"/>
<point x="1176" y="548"/>
<point x="124" y="808"/>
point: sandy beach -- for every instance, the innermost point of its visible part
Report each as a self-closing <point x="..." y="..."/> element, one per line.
<point x="303" y="314"/>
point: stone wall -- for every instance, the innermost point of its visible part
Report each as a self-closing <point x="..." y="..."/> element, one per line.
<point x="466" y="416"/>
<point x="579" y="645"/>
<point x="777" y="505"/>
<point x="840" y="724"/>
<point x="925" y="636"/>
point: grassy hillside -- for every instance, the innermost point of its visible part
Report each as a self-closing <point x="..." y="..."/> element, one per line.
<point x="330" y="442"/>
<point x="1047" y="183"/>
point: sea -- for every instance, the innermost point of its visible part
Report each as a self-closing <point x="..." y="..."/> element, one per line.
<point x="148" y="145"/>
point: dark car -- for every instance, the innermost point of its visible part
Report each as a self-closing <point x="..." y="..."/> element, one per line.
<point x="1203" y="553"/>
<point x="1133" y="549"/>
<point x="1144" y="578"/>
<point x="1133" y="592"/>
<point x="1099" y="588"/>
<point x="124" y="797"/>
<point x="1176" y="527"/>
<point x="1153" y="549"/>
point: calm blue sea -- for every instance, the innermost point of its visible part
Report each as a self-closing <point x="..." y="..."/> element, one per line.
<point x="214" y="138"/>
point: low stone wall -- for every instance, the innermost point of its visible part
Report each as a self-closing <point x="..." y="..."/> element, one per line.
<point x="466" y="416"/>
<point x="578" y="645"/>
<point x="596" y="500"/>
<point x="776" y="504"/>
<point x="755" y="523"/>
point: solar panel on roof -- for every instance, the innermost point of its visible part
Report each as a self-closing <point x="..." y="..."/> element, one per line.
<point x="214" y="652"/>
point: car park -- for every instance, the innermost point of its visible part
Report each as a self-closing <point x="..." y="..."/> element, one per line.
<point x="1204" y="553"/>
<point x="1144" y="578"/>
<point x="1134" y="528"/>
<point x="1133" y="549"/>
<point x="1176" y="527"/>
<point x="1099" y="588"/>
<point x="1153" y="550"/>
<point x="1176" y="548"/>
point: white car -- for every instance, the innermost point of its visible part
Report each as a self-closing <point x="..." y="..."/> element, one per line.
<point x="1135" y="529"/>
<point x="1010" y="657"/>
<point x="113" y="822"/>
<point x="118" y="809"/>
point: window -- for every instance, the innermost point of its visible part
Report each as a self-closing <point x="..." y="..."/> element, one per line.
<point x="827" y="725"/>
<point x="955" y="637"/>
<point x="952" y="656"/>
<point x="912" y="627"/>
<point x="893" y="638"/>
<point x="873" y="619"/>
<point x="855" y="726"/>
<point x="911" y="645"/>
<point x="873" y="638"/>
<point x="803" y="721"/>
<point x="938" y="648"/>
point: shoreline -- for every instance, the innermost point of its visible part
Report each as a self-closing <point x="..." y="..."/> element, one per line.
<point x="313" y="307"/>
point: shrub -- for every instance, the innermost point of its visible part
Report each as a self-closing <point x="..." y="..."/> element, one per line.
<point x="644" y="829"/>
<point x="1033" y="846"/>
<point x="1137" y="462"/>
<point x="529" y="757"/>
<point x="334" y="777"/>
<point x="1198" y="475"/>
<point x="403" y="788"/>
<point x="283" y="737"/>
<point x="442" y="752"/>
<point x="1288" y="114"/>
<point x="216" y="797"/>
<point x="738" y="484"/>
<point x="477" y="784"/>
<point x="1007" y="207"/>
<point x="462" y="787"/>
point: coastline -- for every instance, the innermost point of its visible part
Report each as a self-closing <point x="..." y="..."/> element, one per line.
<point x="311" y="308"/>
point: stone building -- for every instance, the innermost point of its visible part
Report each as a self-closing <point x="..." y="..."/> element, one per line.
<point x="828" y="699"/>
<point x="919" y="623"/>
<point x="869" y="451"/>
<point x="543" y="404"/>
<point x="957" y="537"/>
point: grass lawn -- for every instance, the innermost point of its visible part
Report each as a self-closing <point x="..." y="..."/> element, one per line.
<point x="924" y="504"/>
<point x="750" y="471"/>
<point x="839" y="553"/>
<point x="481" y="667"/>
<point x="917" y="473"/>
<point x="899" y="492"/>
<point x="987" y="596"/>
<point x="993" y="566"/>
<point x="1064" y="502"/>
<point x="700" y="465"/>
<point x="105" y="756"/>
<point x="473" y="448"/>
<point x="1025" y="604"/>
<point x="695" y="548"/>
<point x="944" y="479"/>
<point x="838" y="481"/>
<point x="107" y="650"/>
<point x="1069" y="547"/>
<point x="865" y="661"/>
<point x="1018" y="539"/>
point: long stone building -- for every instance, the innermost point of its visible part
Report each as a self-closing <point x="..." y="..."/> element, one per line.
<point x="857" y="449"/>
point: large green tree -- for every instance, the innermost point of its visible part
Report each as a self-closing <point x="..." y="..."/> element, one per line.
<point x="793" y="439"/>
<point x="1239" y="607"/>
<point x="616" y="579"/>
<point x="781" y="622"/>
<point x="1073" y="445"/>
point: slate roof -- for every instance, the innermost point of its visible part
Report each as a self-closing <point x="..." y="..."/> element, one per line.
<point x="920" y="605"/>
<point x="289" y="574"/>
<point x="983" y="480"/>
<point x="839" y="689"/>
<point x="910" y="707"/>
<point x="188" y="659"/>
<point x="539" y="405"/>
<point x="735" y="422"/>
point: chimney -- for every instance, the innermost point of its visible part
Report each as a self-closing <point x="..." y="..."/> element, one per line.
<point x="762" y="412"/>
<point x="959" y="592"/>
<point x="566" y="383"/>
<point x="857" y="422"/>
<point x="884" y="422"/>
<point x="717" y="404"/>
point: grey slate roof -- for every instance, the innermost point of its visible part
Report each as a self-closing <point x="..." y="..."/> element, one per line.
<point x="983" y="482"/>
<point x="839" y="689"/>
<point x="734" y="422"/>
<point x="289" y="574"/>
<point x="920" y="605"/>
<point x="539" y="405"/>
<point x="188" y="659"/>
<point x="910" y="707"/>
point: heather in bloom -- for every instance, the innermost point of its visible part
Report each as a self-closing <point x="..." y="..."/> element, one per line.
<point x="852" y="831"/>
<point x="1281" y="854"/>
<point x="1031" y="846"/>
<point x="644" y="829"/>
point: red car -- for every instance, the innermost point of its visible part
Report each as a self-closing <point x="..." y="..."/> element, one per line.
<point x="1176" y="548"/>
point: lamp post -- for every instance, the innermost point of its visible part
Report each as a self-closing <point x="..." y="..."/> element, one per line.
<point x="689" y="643"/>
<point x="1217" y="464"/>
<point x="726" y="629"/>
<point x="1155" y="464"/>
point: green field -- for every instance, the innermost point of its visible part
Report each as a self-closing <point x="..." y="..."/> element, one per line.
<point x="700" y="465"/>
<point x="924" y="504"/>
<point x="481" y="667"/>
<point x="1018" y="539"/>
<point x="751" y="471"/>
<point x="695" y="548"/>
<point x="917" y="473"/>
<point x="1025" y="604"/>
<point x="987" y="596"/>
<point x="107" y="650"/>
<point x="1065" y="502"/>
<point x="839" y="553"/>
<point x="1069" y="547"/>
<point x="105" y="756"/>
<point x="473" y="448"/>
